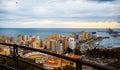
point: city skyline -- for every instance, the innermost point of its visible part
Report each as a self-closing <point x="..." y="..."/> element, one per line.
<point x="59" y="14"/>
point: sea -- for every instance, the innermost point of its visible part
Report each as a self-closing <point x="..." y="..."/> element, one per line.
<point x="45" y="32"/>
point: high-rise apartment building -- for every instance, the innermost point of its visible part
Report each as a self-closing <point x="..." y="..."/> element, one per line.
<point x="65" y="43"/>
<point x="71" y="43"/>
<point x="54" y="36"/>
<point x="53" y="45"/>
<point x="86" y="35"/>
<point x="19" y="38"/>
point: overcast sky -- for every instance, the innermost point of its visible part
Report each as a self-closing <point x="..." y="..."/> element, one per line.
<point x="59" y="13"/>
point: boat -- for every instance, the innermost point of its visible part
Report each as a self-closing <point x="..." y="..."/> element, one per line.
<point x="113" y="33"/>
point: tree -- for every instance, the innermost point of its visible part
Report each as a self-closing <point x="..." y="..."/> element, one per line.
<point x="68" y="67"/>
<point x="45" y="47"/>
<point x="58" y="68"/>
<point x="77" y="51"/>
<point x="115" y="64"/>
<point x="69" y="50"/>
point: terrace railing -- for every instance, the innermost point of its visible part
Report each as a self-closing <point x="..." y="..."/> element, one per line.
<point x="78" y="62"/>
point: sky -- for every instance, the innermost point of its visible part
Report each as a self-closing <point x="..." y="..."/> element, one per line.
<point x="59" y="13"/>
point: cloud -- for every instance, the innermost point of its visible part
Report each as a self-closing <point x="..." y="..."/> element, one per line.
<point x="58" y="10"/>
<point x="59" y="24"/>
<point x="103" y="0"/>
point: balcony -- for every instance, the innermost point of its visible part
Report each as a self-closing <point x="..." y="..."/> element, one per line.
<point x="16" y="59"/>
